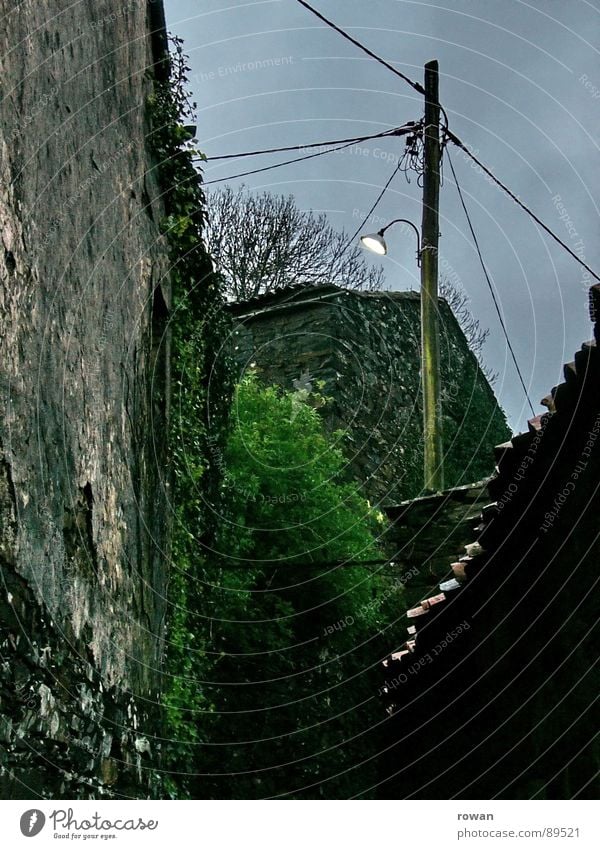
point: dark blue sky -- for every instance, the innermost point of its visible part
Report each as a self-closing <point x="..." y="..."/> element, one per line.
<point x="520" y="82"/>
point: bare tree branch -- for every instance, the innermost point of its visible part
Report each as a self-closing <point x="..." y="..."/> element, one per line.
<point x="261" y="243"/>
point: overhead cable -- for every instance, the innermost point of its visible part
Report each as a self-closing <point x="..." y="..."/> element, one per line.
<point x="400" y="131"/>
<point x="395" y="131"/>
<point x="489" y="283"/>
<point x="511" y="194"/>
<point x="369" y="213"/>
<point x="417" y="86"/>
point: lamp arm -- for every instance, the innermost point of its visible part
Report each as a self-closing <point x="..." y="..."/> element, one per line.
<point x="410" y="224"/>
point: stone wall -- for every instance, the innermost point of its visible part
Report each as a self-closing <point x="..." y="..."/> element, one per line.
<point x="83" y="380"/>
<point x="365" y="347"/>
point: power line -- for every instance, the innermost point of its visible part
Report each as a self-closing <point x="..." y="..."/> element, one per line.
<point x="277" y="165"/>
<point x="529" y="212"/>
<point x="451" y="136"/>
<point x="489" y="283"/>
<point x="417" y="86"/>
<point x="391" y="133"/>
<point x="369" y="213"/>
<point x="348" y="37"/>
<point x="413" y="164"/>
<point x="401" y="131"/>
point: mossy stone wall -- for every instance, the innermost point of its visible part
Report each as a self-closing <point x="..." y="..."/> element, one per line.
<point x="365" y="349"/>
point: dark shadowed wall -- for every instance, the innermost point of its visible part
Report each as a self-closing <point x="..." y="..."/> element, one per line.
<point x="83" y="381"/>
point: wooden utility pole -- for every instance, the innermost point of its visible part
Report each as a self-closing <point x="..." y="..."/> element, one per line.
<point x="430" y="345"/>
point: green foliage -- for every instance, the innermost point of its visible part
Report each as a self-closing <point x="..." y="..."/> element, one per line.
<point x="202" y="383"/>
<point x="271" y="653"/>
<point x="295" y="635"/>
<point x="280" y="462"/>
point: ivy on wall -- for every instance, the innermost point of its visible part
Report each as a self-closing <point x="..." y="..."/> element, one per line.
<point x="202" y="381"/>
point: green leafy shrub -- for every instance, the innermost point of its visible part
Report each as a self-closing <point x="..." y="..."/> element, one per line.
<point x="272" y="639"/>
<point x="296" y="627"/>
<point x="202" y="383"/>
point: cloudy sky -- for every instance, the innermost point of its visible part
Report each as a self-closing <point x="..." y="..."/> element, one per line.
<point x="520" y="82"/>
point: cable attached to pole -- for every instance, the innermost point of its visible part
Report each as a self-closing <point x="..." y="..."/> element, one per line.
<point x="489" y="283"/>
<point x="455" y="140"/>
<point x="277" y="165"/>
<point x="369" y="213"/>
<point x="401" y="131"/>
<point x="348" y="37"/>
<point x="395" y="131"/>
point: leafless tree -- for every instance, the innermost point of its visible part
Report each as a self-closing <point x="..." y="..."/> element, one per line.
<point x="264" y="242"/>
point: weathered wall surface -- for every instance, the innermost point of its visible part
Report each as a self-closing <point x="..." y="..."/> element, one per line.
<point x="82" y="387"/>
<point x="366" y="349"/>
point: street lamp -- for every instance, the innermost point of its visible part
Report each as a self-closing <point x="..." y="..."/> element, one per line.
<point x="430" y="358"/>
<point x="376" y="243"/>
<point x="427" y="258"/>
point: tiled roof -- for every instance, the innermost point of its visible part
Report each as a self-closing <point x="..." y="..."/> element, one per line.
<point x="522" y="558"/>
<point x="287" y="294"/>
<point x="300" y="293"/>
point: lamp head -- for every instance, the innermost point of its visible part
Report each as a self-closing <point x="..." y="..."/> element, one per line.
<point x="375" y="242"/>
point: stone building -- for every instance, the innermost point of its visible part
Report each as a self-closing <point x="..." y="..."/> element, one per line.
<point x="363" y="349"/>
<point x="83" y="388"/>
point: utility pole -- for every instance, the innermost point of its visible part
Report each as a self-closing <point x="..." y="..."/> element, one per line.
<point x="430" y="344"/>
